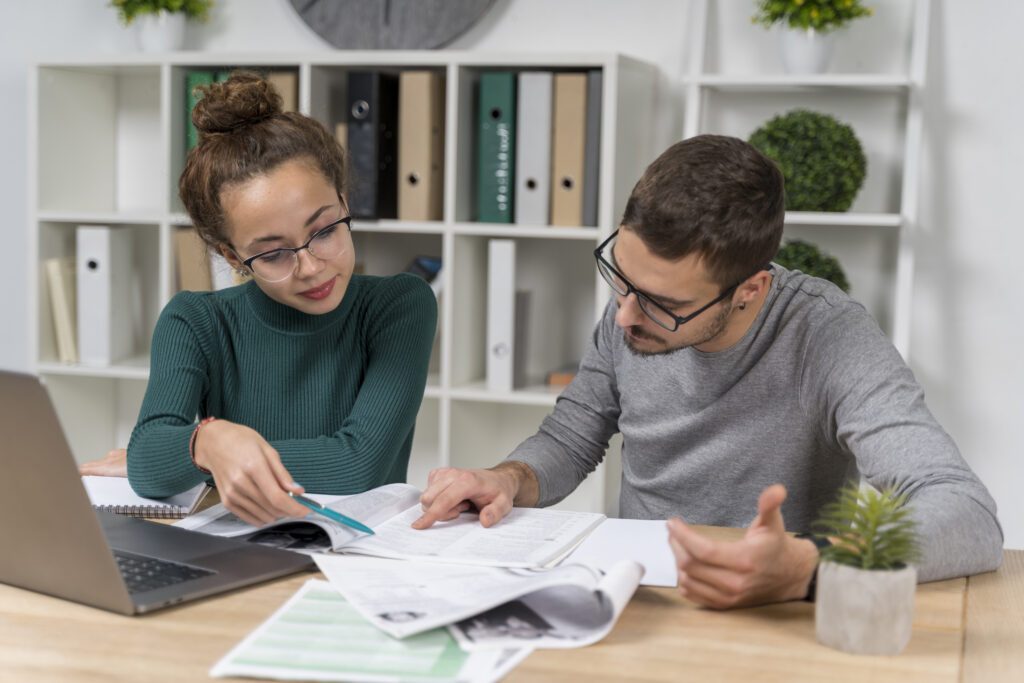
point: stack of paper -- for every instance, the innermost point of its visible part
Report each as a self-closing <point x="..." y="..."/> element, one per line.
<point x="454" y="602"/>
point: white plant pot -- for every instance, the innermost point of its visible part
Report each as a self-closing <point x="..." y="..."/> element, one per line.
<point x="806" y="52"/>
<point x="865" y="611"/>
<point x="160" y="32"/>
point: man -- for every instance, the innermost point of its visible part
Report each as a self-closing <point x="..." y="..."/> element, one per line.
<point x="727" y="374"/>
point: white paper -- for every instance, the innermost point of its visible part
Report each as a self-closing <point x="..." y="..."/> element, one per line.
<point x="642" y="540"/>
<point x="317" y="636"/>
<point x="526" y="537"/>
<point x="572" y="605"/>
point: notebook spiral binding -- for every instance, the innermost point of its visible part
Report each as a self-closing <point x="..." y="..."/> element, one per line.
<point x="150" y="511"/>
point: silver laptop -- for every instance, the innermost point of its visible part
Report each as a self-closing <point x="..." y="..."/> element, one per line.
<point x="55" y="542"/>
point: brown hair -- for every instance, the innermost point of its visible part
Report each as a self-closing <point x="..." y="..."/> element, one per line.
<point x="243" y="133"/>
<point x="715" y="196"/>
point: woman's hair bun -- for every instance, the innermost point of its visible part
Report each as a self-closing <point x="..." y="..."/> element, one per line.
<point x="242" y="99"/>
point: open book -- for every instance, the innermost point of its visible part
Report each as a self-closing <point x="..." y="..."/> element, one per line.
<point x="527" y="537"/>
<point x="115" y="494"/>
<point x="570" y="605"/>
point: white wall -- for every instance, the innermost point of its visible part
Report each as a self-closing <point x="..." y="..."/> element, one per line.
<point x="967" y="328"/>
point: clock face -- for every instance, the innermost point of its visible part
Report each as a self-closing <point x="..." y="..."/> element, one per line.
<point x="390" y="24"/>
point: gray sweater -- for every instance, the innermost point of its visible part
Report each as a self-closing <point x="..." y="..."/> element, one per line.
<point x="813" y="396"/>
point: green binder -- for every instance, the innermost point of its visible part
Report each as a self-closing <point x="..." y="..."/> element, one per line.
<point x="496" y="145"/>
<point x="192" y="79"/>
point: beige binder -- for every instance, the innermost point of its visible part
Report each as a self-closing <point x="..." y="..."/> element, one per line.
<point x="287" y="85"/>
<point x="420" y="146"/>
<point x="568" y="141"/>
<point x="193" y="261"/>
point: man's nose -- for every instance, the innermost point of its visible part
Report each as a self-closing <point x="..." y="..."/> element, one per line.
<point x="629" y="313"/>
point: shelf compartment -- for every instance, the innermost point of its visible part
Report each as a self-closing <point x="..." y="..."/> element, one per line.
<point x="57" y="240"/>
<point x="878" y="120"/>
<point x="559" y="274"/>
<point x="114" y="133"/>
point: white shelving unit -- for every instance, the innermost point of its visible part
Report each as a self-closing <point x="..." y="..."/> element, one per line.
<point x="107" y="141"/>
<point x="875" y="240"/>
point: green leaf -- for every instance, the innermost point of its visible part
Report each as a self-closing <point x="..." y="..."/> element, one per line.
<point x="868" y="529"/>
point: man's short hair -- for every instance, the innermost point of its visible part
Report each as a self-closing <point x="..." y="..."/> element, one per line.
<point x="714" y="196"/>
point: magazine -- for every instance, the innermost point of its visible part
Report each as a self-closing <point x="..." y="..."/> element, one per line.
<point x="570" y="605"/>
<point x="526" y="537"/>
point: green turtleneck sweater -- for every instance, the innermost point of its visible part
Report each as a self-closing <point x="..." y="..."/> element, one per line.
<point x="336" y="394"/>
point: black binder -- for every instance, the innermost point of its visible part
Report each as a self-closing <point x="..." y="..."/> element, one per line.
<point x="373" y="144"/>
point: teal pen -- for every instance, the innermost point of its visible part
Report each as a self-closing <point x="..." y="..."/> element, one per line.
<point x="331" y="514"/>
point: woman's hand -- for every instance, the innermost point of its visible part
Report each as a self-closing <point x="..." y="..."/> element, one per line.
<point x="115" y="464"/>
<point x="251" y="480"/>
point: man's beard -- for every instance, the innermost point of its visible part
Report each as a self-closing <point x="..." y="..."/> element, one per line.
<point x="713" y="330"/>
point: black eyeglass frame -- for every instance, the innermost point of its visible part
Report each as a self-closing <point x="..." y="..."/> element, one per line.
<point x="643" y="299"/>
<point x="347" y="220"/>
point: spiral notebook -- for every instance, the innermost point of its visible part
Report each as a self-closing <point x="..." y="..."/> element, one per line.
<point x="115" y="494"/>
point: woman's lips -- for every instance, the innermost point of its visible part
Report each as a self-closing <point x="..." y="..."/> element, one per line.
<point x="321" y="292"/>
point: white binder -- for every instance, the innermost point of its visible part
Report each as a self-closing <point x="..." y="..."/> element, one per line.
<point x="103" y="266"/>
<point x="501" y="314"/>
<point x="533" y="148"/>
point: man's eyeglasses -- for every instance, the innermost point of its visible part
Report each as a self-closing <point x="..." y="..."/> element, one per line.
<point x="278" y="265"/>
<point x="655" y="311"/>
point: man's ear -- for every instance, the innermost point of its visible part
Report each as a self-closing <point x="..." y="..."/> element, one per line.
<point x="753" y="287"/>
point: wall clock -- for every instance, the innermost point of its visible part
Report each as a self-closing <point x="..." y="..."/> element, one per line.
<point x="390" y="24"/>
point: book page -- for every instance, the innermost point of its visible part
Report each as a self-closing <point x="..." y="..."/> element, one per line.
<point x="526" y="537"/>
<point x="406" y="598"/>
<point x="318" y="636"/>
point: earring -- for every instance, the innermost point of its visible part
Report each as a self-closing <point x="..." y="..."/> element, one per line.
<point x="743" y="306"/>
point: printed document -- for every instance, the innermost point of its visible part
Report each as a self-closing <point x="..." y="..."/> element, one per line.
<point x="486" y="607"/>
<point x="317" y="636"/>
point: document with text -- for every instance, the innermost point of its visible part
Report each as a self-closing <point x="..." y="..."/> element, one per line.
<point x="317" y="636"/>
<point x="526" y="537"/>
<point x="570" y="605"/>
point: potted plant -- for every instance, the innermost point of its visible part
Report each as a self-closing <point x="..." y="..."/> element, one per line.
<point x="820" y="158"/>
<point x="866" y="583"/>
<point x="808" y="28"/>
<point x="160" y="24"/>
<point x="807" y="258"/>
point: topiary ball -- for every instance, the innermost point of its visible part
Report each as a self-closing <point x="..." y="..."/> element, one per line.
<point x="820" y="158"/>
<point x="807" y="258"/>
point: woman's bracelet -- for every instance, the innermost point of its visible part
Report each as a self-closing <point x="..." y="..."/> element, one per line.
<point x="192" y="445"/>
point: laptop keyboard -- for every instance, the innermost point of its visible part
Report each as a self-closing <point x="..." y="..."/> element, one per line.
<point x="148" y="573"/>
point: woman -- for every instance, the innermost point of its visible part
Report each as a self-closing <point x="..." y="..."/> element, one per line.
<point x="307" y="373"/>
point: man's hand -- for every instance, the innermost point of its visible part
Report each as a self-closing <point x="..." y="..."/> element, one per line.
<point x="251" y="480"/>
<point x="492" y="492"/>
<point x="115" y="464"/>
<point x="767" y="565"/>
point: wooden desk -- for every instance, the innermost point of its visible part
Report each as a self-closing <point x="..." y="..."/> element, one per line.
<point x="964" y="630"/>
